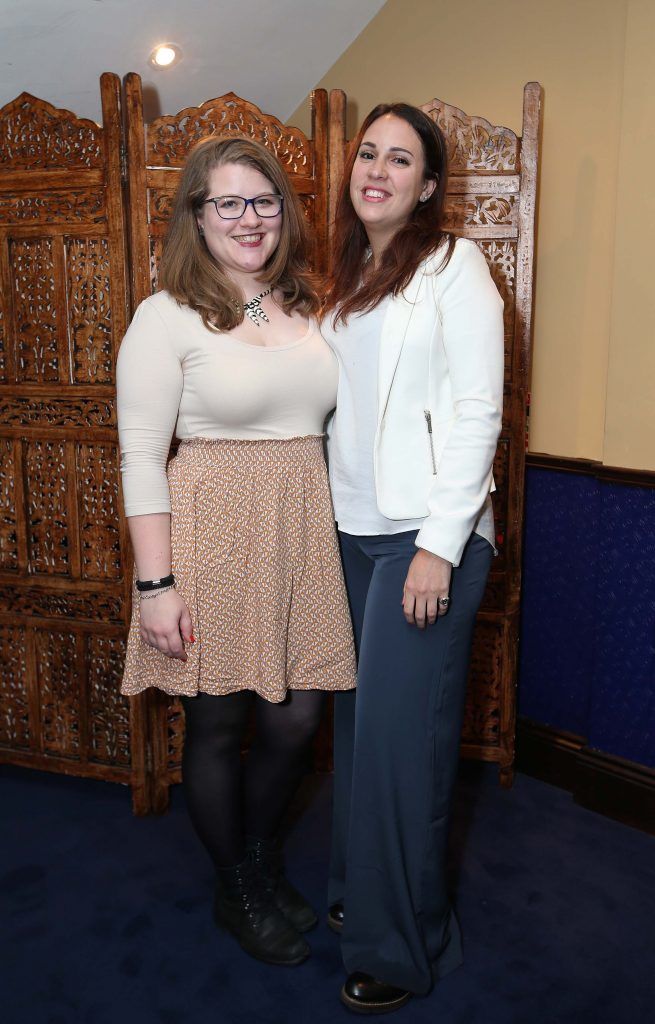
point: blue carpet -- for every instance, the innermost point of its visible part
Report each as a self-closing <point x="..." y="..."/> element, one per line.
<point x="105" y="917"/>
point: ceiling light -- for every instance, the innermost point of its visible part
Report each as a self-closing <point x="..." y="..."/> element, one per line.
<point x="164" y="55"/>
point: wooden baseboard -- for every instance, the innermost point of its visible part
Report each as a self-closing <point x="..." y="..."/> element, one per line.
<point x="609" y="785"/>
<point x="587" y="467"/>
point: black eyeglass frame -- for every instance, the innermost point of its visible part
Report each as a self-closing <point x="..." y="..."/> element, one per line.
<point x="247" y="203"/>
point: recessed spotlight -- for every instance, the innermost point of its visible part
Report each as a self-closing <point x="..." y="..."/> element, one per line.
<point x="164" y="55"/>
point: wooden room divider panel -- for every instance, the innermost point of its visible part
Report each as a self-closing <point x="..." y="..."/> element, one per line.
<point x="492" y="199"/>
<point x="66" y="254"/>
<point x="63" y="311"/>
<point x="155" y="156"/>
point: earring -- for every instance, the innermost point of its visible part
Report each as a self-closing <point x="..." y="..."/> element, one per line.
<point x="201" y="231"/>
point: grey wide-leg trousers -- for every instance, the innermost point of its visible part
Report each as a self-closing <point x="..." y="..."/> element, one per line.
<point x="396" y="753"/>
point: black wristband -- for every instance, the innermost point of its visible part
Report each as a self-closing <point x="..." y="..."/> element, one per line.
<point x="144" y="585"/>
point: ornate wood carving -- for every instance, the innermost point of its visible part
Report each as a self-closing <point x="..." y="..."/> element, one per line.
<point x="308" y="203"/>
<point x="500" y="499"/>
<point x="501" y="257"/>
<point x="175" y="737"/>
<point x="8" y="536"/>
<point x="89" y="306"/>
<point x="169" y="139"/>
<point x="473" y="143"/>
<point x="35" y="311"/>
<point x="71" y="206"/>
<point x="3" y="353"/>
<point x="39" y="602"/>
<point x="38" y="136"/>
<point x="478" y="211"/>
<point x="155" y="248"/>
<point x="63" y="560"/>
<point x="63" y="413"/>
<point x="109" y="713"/>
<point x="494" y="597"/>
<point x="47" y="511"/>
<point x="160" y="205"/>
<point x="482" y="723"/>
<point x="14" y="697"/>
<point x="503" y="267"/>
<point x="58" y="694"/>
<point x="97" y="474"/>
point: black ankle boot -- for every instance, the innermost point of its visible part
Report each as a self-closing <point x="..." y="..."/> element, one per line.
<point x="267" y="859"/>
<point x="245" y="907"/>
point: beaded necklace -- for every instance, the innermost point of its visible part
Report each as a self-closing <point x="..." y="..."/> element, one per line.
<point x="253" y="308"/>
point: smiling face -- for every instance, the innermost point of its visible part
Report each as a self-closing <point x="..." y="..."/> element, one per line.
<point x="388" y="178"/>
<point x="243" y="246"/>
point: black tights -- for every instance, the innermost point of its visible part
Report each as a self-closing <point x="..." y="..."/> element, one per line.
<point x="228" y="800"/>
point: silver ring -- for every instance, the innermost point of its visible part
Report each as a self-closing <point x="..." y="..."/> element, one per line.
<point x="444" y="602"/>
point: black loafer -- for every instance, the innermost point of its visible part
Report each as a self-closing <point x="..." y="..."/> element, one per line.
<point x="335" y="917"/>
<point x="364" y="994"/>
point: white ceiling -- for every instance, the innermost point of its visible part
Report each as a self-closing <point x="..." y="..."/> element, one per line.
<point x="271" y="53"/>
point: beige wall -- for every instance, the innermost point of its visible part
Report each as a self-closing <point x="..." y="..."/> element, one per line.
<point x="630" y="411"/>
<point x="593" y="320"/>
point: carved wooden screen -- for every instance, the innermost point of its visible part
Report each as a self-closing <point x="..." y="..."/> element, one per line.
<point x="491" y="199"/>
<point x="63" y="310"/>
<point x="64" y="586"/>
<point x="155" y="155"/>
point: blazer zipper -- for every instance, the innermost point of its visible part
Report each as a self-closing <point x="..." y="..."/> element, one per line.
<point x="428" y="423"/>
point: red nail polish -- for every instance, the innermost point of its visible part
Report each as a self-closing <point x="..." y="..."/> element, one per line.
<point x="192" y="639"/>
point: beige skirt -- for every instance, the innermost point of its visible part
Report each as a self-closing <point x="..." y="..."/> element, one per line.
<point x="256" y="560"/>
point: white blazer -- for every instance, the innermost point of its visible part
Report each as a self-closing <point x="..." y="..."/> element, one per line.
<point x="440" y="399"/>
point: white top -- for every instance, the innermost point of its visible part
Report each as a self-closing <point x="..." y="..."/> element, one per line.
<point x="353" y="428"/>
<point x="352" y="431"/>
<point x="175" y="375"/>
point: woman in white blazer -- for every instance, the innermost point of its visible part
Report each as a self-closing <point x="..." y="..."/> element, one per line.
<point x="417" y="326"/>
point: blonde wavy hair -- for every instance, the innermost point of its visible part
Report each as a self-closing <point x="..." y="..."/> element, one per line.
<point x="190" y="273"/>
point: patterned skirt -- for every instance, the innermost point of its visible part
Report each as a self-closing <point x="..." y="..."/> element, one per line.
<point x="256" y="560"/>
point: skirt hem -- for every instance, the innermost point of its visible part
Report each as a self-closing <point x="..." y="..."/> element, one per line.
<point x="176" y="692"/>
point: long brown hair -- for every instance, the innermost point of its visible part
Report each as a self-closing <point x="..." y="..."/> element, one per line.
<point x="413" y="242"/>
<point x="190" y="273"/>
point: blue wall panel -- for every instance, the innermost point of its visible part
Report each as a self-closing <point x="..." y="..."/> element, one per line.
<point x="588" y="617"/>
<point x="559" y="589"/>
<point x="622" y="712"/>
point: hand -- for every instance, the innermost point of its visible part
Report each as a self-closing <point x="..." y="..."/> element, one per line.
<point x="166" y="624"/>
<point x="428" y="579"/>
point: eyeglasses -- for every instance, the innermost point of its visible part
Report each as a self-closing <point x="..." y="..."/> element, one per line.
<point x="233" y="207"/>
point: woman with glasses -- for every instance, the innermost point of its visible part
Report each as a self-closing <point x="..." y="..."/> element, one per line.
<point x="239" y="606"/>
<point x="417" y="325"/>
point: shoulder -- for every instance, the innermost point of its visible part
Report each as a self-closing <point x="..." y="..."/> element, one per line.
<point x="152" y="329"/>
<point x="466" y="269"/>
<point x="163" y="306"/>
<point x="162" y="315"/>
<point x="465" y="253"/>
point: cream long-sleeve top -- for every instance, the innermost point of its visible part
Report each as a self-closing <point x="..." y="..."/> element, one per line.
<point x="175" y="376"/>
